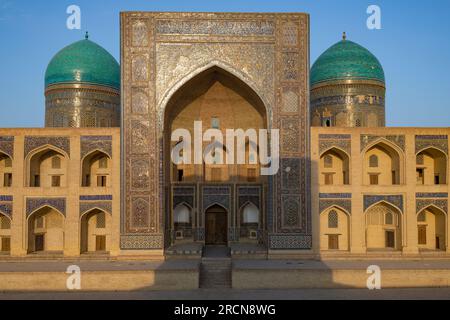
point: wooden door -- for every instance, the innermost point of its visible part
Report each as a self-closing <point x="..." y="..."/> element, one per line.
<point x="221" y="228"/>
<point x="422" y="234"/>
<point x="390" y="239"/>
<point x="100" y="243"/>
<point x="39" y="242"/>
<point x="6" y="244"/>
<point x="333" y="242"/>
<point x="216" y="226"/>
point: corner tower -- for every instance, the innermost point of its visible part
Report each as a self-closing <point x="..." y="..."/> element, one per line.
<point x="347" y="88"/>
<point x="82" y="87"/>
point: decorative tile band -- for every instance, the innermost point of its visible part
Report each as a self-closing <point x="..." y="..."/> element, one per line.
<point x="335" y="195"/>
<point x="432" y="195"/>
<point x="215" y="27"/>
<point x="290" y="242"/>
<point x="6" y="198"/>
<point x="96" y="198"/>
<point x="141" y="242"/>
<point x="36" y="203"/>
<point x="395" y="200"/>
<point x="335" y="136"/>
<point x="431" y="137"/>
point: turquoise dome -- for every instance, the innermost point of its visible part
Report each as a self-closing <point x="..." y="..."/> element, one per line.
<point x="346" y="60"/>
<point x="83" y="62"/>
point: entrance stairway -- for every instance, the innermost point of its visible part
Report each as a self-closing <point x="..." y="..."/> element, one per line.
<point x="215" y="268"/>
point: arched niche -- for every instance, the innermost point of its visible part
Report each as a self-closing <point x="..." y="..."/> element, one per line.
<point x="96" y="170"/>
<point x="383" y="227"/>
<point x="47" y="167"/>
<point x="46" y="230"/>
<point x="389" y="168"/>
<point x="432" y="229"/>
<point x="334" y="167"/>
<point x="95" y="233"/>
<point x="334" y="230"/>
<point x="431" y="167"/>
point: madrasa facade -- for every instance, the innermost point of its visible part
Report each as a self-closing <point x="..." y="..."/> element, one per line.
<point x="98" y="180"/>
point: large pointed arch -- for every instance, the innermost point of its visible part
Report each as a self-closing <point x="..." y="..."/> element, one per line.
<point x="213" y="65"/>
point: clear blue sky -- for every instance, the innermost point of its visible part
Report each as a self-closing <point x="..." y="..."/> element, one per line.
<point x="413" y="47"/>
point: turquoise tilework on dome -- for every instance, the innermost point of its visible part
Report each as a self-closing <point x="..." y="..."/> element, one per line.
<point x="83" y="62"/>
<point x="346" y="60"/>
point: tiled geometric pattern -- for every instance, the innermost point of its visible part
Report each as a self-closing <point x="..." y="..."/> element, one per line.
<point x="339" y="141"/>
<point x="32" y="204"/>
<point x="426" y="141"/>
<point x="32" y="143"/>
<point x="7" y="145"/>
<point x="96" y="198"/>
<point x="91" y="143"/>
<point x="290" y="241"/>
<point x="86" y="206"/>
<point x="140" y="242"/>
<point x="345" y="204"/>
<point x="439" y="200"/>
<point x="398" y="140"/>
<point x="341" y="200"/>
<point x="395" y="200"/>
<point x="6" y="208"/>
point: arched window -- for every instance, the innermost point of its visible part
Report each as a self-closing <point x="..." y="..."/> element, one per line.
<point x="8" y="162"/>
<point x="421" y="217"/>
<point x="103" y="163"/>
<point x="5" y="223"/>
<point x="333" y="222"/>
<point x="101" y="220"/>
<point x="250" y="214"/>
<point x="419" y="159"/>
<point x="389" y="218"/>
<point x="373" y="161"/>
<point x="181" y="214"/>
<point x="328" y="161"/>
<point x="56" y="162"/>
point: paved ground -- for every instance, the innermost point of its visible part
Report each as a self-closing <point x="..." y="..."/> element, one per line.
<point x="38" y="266"/>
<point x="231" y="294"/>
<point x="56" y="266"/>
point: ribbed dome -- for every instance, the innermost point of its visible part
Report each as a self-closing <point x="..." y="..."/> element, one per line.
<point x="346" y="60"/>
<point x="83" y="62"/>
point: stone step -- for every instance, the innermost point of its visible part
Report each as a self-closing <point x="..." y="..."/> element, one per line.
<point x="215" y="273"/>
